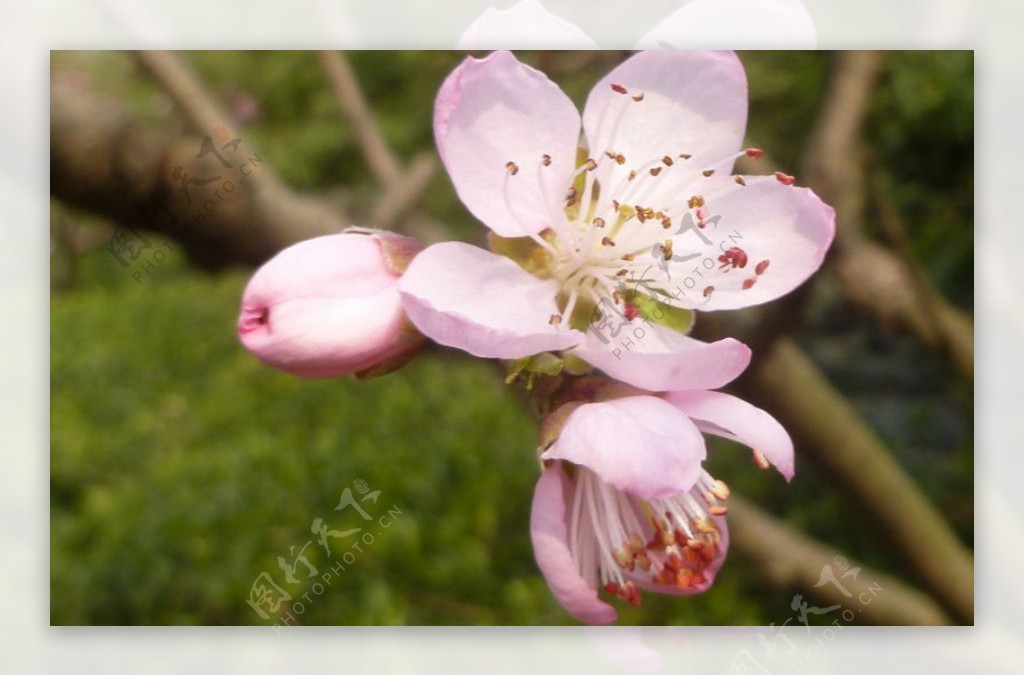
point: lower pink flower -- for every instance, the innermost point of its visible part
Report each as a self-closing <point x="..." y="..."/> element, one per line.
<point x="624" y="505"/>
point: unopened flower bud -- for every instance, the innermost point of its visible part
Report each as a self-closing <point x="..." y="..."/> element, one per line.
<point x="330" y="306"/>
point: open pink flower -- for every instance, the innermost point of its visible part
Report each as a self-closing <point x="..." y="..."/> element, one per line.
<point x="623" y="503"/>
<point x="650" y="222"/>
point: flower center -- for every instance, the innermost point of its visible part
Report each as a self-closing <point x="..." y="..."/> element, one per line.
<point x="616" y="539"/>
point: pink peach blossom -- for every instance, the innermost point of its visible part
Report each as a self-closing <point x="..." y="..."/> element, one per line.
<point x="623" y="503"/>
<point x="652" y="210"/>
<point x="330" y="306"/>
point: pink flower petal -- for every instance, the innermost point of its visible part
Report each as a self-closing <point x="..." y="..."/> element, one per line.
<point x="782" y="232"/>
<point x="641" y="445"/>
<point x="658" y="359"/>
<point x="322" y="337"/>
<point x="727" y="416"/>
<point x="341" y="265"/>
<point x="494" y="111"/>
<point x="550" y="537"/>
<point x="692" y="102"/>
<point x="471" y="299"/>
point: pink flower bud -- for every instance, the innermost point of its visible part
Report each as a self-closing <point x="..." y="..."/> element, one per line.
<point x="330" y="306"/>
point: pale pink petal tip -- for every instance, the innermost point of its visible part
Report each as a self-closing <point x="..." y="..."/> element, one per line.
<point x="727" y="416"/>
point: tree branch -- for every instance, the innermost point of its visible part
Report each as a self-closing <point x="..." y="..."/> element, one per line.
<point x="793" y="389"/>
<point x="399" y="200"/>
<point x="787" y="558"/>
<point x="834" y="160"/>
<point x="827" y="428"/>
<point x="106" y="160"/>
<point x="379" y="158"/>
<point x="399" y="190"/>
<point x="872" y="277"/>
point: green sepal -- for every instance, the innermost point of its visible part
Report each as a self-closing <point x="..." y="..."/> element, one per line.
<point x="575" y="366"/>
<point x="543" y="364"/>
<point x="523" y="250"/>
<point x="653" y="310"/>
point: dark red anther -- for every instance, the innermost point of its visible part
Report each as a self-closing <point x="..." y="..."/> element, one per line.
<point x="735" y="257"/>
<point x="754" y="152"/>
<point x="618" y="89"/>
<point x="749" y="282"/>
<point x="784" y="179"/>
<point x="762" y="266"/>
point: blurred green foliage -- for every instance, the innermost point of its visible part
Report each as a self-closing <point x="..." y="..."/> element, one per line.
<point x="182" y="468"/>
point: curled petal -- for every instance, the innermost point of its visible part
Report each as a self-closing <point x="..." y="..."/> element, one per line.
<point x="471" y="299"/>
<point x="641" y="445"/>
<point x="494" y="121"/>
<point x="550" y="537"/>
<point x="727" y="416"/>
<point x="659" y="359"/>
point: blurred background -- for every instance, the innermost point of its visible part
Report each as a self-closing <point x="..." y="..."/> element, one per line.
<point x="183" y="471"/>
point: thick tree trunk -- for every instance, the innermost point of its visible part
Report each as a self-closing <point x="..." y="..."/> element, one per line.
<point x="218" y="201"/>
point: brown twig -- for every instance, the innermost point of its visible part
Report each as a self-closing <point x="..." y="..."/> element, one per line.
<point x="834" y="160"/>
<point x="272" y="198"/>
<point x="403" y="196"/>
<point x="931" y="317"/>
<point x="889" y="287"/>
<point x="183" y="86"/>
<point x="379" y="158"/>
<point x="400" y="190"/>
<point x="872" y="277"/>
<point x="787" y="558"/>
